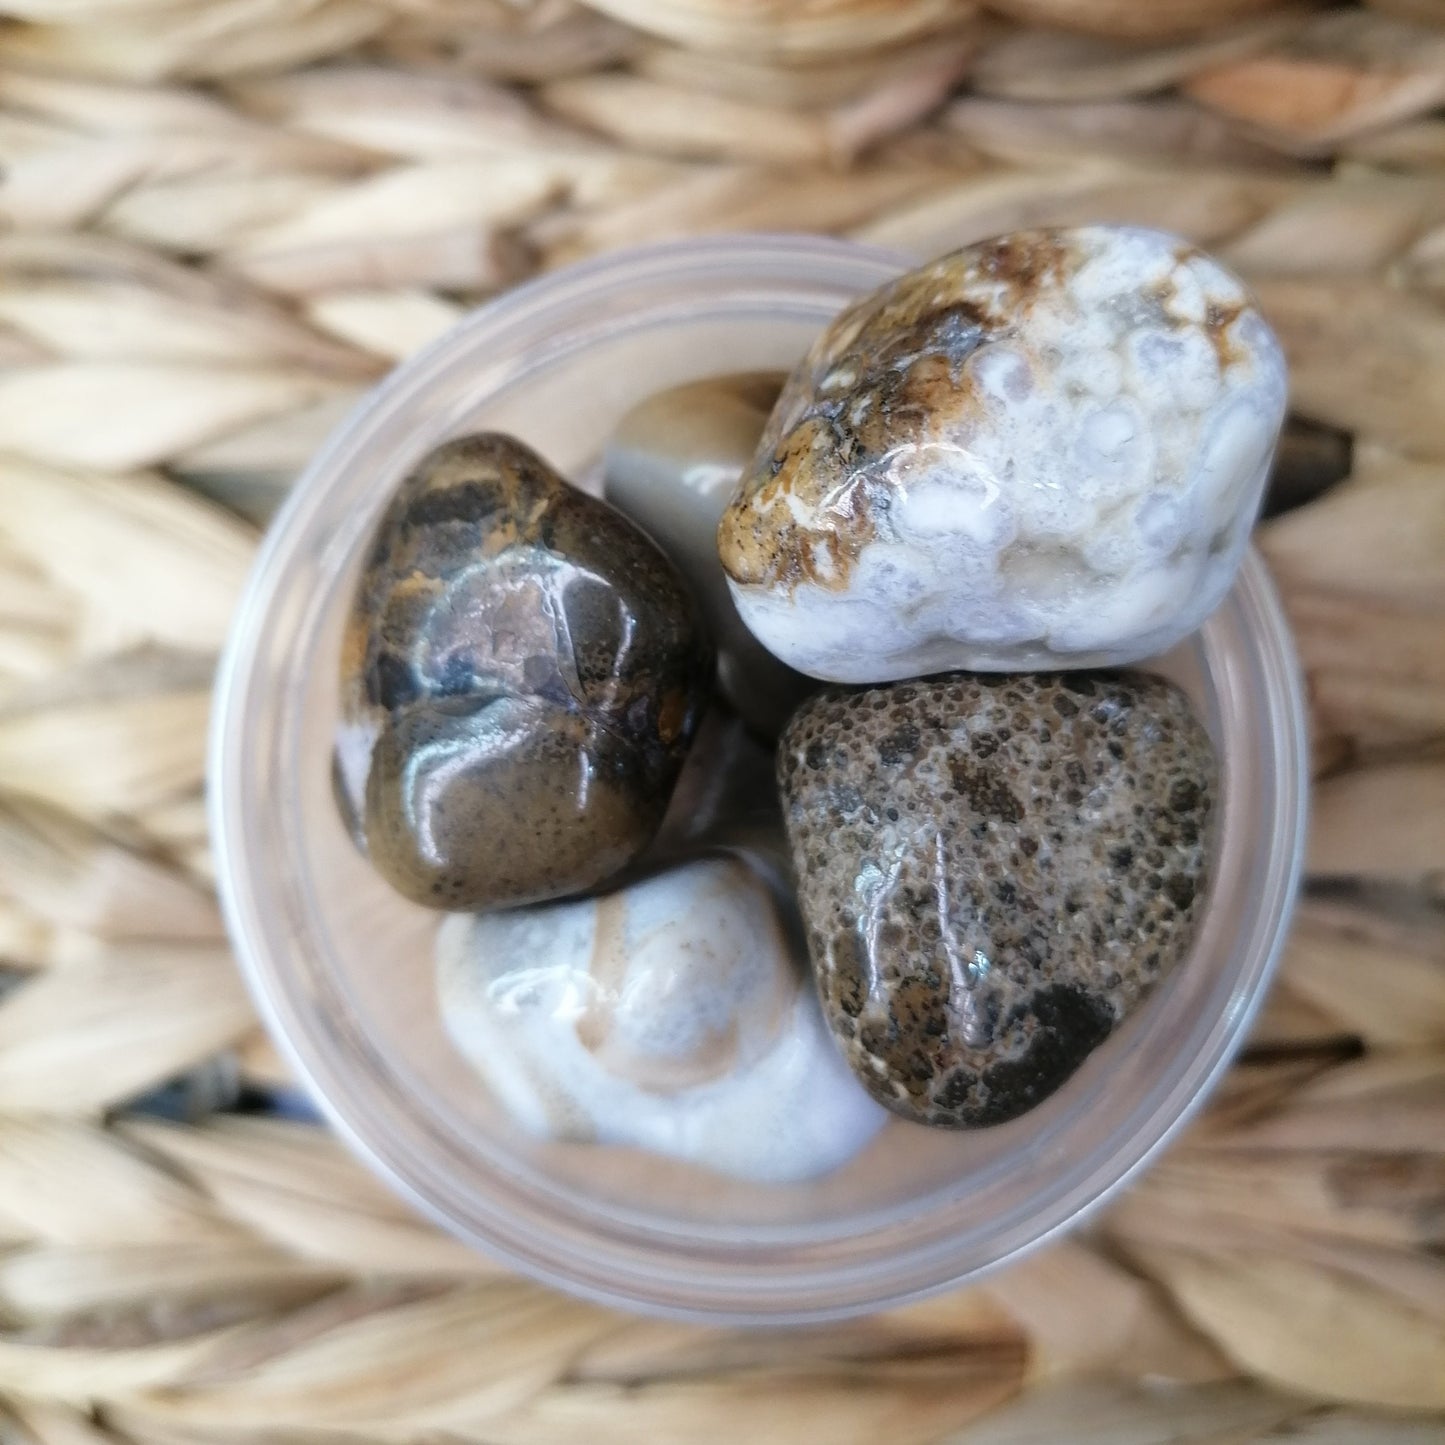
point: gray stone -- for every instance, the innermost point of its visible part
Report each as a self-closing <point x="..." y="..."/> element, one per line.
<point x="672" y="466"/>
<point x="672" y="1015"/>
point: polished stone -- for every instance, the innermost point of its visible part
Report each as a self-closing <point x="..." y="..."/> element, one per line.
<point x="673" y="465"/>
<point x="1038" y="452"/>
<point x="993" y="873"/>
<point x="523" y="673"/>
<point x="672" y="1016"/>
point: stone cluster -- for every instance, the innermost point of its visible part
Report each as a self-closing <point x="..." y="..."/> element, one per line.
<point x="987" y="487"/>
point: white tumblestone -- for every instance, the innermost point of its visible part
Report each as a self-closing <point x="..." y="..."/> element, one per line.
<point x="1042" y="451"/>
<point x="672" y="465"/>
<point x="672" y="1016"/>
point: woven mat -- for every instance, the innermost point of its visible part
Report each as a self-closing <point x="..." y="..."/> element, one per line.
<point x="221" y="219"/>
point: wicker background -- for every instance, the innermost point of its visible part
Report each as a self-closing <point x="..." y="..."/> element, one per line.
<point x="219" y="220"/>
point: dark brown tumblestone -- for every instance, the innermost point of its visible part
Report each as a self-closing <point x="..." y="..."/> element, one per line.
<point x="993" y="871"/>
<point x="523" y="673"/>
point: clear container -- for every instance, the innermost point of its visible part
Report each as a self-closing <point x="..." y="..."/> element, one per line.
<point x="342" y="968"/>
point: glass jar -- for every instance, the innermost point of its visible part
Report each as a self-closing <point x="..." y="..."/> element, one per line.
<point x="342" y="967"/>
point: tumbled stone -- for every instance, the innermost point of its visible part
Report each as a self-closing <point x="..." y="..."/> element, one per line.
<point x="1042" y="451"/>
<point x="672" y="466"/>
<point x="993" y="872"/>
<point x="673" y="1016"/>
<point x="523" y="672"/>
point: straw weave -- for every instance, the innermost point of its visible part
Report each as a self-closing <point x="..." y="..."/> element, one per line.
<point x="220" y="220"/>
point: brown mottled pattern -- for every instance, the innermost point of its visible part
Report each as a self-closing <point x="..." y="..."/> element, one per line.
<point x="888" y="373"/>
<point x="993" y="872"/>
<point x="536" y="670"/>
<point x="869" y="383"/>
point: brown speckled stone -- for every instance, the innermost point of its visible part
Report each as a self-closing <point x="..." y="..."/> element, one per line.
<point x="523" y="672"/>
<point x="993" y="872"/>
